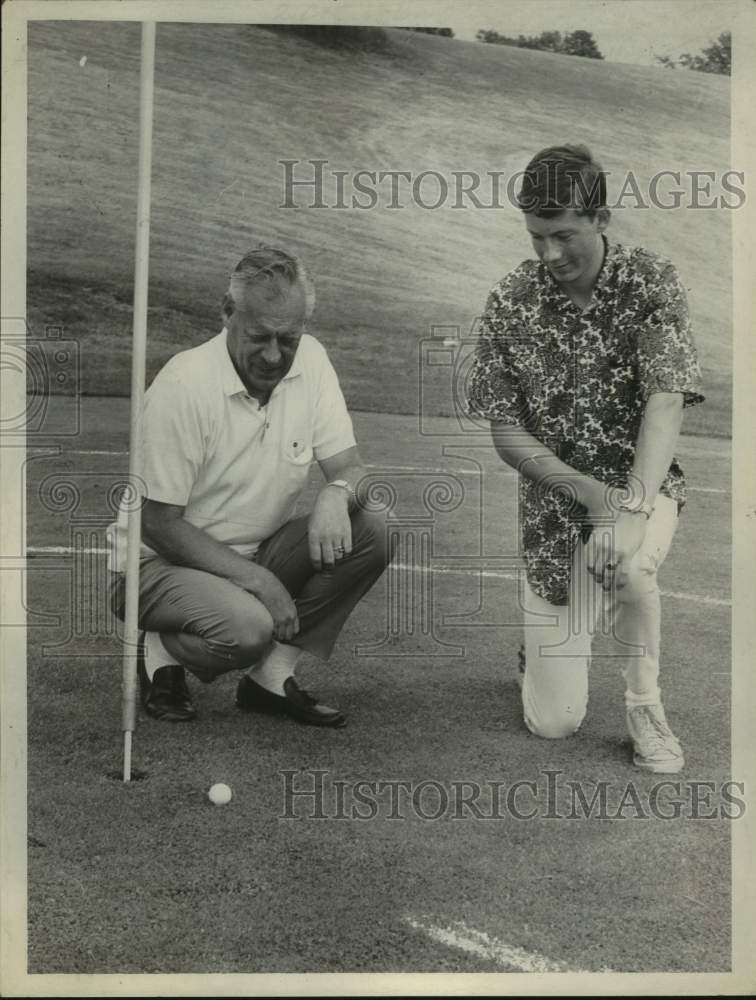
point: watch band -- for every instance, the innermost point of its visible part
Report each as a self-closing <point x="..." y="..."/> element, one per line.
<point x="343" y="484"/>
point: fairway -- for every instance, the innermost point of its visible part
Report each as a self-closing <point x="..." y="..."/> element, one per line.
<point x="243" y="888"/>
<point x="384" y="276"/>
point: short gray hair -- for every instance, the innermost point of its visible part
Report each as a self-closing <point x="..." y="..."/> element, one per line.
<point x="267" y="266"/>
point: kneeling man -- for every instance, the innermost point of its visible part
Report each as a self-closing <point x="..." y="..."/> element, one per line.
<point x="229" y="578"/>
<point x="584" y="364"/>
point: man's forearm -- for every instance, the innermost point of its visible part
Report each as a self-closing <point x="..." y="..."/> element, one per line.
<point x="532" y="459"/>
<point x="184" y="544"/>
<point x="655" y="447"/>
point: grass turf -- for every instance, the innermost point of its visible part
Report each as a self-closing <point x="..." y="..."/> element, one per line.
<point x="154" y="878"/>
<point x="232" y="102"/>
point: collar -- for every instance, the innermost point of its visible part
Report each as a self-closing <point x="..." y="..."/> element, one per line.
<point x="557" y="294"/>
<point x="607" y="267"/>
<point x="232" y="384"/>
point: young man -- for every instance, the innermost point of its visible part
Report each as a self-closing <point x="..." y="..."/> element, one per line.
<point x="584" y="364"/>
<point x="229" y="580"/>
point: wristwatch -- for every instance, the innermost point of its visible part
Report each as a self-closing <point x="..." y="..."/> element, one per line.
<point x="638" y="508"/>
<point x="343" y="484"/>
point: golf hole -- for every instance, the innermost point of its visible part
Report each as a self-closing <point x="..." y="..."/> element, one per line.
<point x="135" y="775"/>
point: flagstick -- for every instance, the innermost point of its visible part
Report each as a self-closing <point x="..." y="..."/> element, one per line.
<point x="138" y="365"/>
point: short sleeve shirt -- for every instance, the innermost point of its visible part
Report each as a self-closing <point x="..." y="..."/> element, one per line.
<point x="578" y="380"/>
<point x="235" y="467"/>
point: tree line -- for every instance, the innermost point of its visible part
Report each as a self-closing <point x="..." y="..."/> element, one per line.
<point x="573" y="43"/>
<point x="715" y="58"/>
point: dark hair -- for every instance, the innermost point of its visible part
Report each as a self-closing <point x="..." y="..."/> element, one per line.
<point x="562" y="177"/>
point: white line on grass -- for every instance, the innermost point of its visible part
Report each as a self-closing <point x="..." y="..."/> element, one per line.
<point x="511" y="472"/>
<point x="93" y="451"/>
<point x="490" y="574"/>
<point x="459" y="935"/>
<point x="65" y="550"/>
<point x="428" y="471"/>
<point x="682" y="449"/>
<point x="501" y="574"/>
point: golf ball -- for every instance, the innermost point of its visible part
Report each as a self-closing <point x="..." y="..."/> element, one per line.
<point x="219" y="794"/>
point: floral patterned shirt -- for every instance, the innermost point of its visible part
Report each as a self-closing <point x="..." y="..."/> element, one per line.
<point x="578" y="380"/>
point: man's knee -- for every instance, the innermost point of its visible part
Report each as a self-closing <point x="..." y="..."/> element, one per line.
<point x="371" y="538"/>
<point x="555" y="725"/>
<point x="244" y="638"/>
<point x="550" y="716"/>
<point x="638" y="581"/>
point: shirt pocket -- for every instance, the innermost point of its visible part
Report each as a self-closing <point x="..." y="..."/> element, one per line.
<point x="293" y="472"/>
<point x="298" y="453"/>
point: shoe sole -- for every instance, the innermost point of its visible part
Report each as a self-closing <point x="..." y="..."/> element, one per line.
<point x="660" y="767"/>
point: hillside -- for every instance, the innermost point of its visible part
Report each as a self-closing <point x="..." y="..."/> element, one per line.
<point x="231" y="101"/>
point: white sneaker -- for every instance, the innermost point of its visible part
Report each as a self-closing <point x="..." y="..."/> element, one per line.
<point x="656" y="748"/>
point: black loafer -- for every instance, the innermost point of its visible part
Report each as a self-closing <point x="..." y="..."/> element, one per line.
<point x="296" y="703"/>
<point x="166" y="696"/>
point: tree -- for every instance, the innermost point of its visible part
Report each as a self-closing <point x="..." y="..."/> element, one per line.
<point x="547" y="41"/>
<point x="494" y="38"/>
<point x="446" y="32"/>
<point x="581" y="43"/>
<point x="574" y="43"/>
<point x="716" y="58"/>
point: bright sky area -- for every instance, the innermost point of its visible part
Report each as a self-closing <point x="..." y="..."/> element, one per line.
<point x="630" y="31"/>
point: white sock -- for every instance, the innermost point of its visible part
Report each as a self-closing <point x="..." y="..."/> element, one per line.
<point x="155" y="654"/>
<point x="273" y="670"/>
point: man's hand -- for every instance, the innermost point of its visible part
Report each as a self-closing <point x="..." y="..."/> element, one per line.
<point x="611" y="547"/>
<point x="276" y="598"/>
<point x="330" y="529"/>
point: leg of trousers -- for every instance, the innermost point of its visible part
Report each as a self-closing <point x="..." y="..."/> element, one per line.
<point x="213" y="626"/>
<point x="558" y="638"/>
<point x="326" y="598"/>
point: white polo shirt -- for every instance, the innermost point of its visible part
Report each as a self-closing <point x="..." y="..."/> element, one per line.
<point x="236" y="467"/>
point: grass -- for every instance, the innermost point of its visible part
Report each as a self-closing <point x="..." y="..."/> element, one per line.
<point x="231" y="102"/>
<point x="154" y="879"/>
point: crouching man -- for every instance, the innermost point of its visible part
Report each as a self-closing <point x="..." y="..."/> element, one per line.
<point x="229" y="578"/>
<point x="583" y="367"/>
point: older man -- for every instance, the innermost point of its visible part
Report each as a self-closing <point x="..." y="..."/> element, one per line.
<point x="584" y="364"/>
<point x="229" y="579"/>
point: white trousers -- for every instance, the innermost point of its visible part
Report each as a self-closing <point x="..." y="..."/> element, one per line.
<point x="558" y="638"/>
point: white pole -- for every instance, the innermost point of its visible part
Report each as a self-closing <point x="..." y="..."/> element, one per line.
<point x="138" y="364"/>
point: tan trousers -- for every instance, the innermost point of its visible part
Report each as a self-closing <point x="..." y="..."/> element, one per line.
<point x="221" y="627"/>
